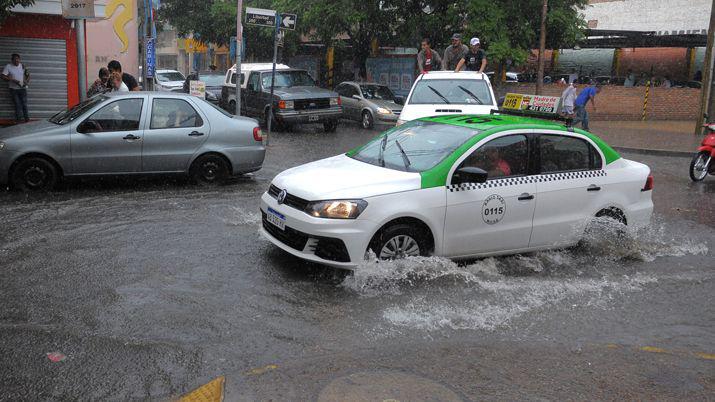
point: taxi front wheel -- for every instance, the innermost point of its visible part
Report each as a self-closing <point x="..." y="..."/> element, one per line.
<point x="400" y="241"/>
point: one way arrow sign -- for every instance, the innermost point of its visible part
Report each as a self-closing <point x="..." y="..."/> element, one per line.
<point x="288" y="21"/>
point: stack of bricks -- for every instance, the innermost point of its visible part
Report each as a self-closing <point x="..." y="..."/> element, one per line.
<point x="620" y="103"/>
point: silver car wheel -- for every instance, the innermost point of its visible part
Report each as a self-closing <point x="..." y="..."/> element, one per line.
<point x="400" y="246"/>
<point x="366" y="120"/>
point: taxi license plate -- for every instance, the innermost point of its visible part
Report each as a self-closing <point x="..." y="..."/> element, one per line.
<point x="313" y="118"/>
<point x="276" y="219"/>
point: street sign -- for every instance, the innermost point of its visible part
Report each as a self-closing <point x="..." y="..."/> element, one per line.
<point x="288" y="21"/>
<point x="150" y="57"/>
<point x="260" y="16"/>
<point x="78" y="9"/>
<point x="197" y="88"/>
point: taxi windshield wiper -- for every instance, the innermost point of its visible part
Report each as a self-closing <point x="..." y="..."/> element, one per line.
<point x="470" y="94"/>
<point x="404" y="155"/>
<point x="438" y="94"/>
<point x="381" y="158"/>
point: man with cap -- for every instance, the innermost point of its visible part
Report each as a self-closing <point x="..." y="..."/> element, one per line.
<point x="475" y="59"/>
<point x="454" y="53"/>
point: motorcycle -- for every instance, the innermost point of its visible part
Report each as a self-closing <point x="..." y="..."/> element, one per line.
<point x="704" y="161"/>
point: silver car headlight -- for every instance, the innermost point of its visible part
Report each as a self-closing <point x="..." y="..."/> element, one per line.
<point x="2" y="146"/>
<point x="336" y="209"/>
<point x="210" y="96"/>
<point x="382" y="110"/>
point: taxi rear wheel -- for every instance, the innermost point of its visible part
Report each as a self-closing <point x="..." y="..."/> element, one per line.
<point x="400" y="241"/>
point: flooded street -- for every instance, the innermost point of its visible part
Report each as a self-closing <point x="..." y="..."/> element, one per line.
<point x="152" y="288"/>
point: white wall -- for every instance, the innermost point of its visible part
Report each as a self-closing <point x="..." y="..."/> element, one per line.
<point x="662" y="16"/>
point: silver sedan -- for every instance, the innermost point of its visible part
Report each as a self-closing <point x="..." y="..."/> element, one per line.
<point x="130" y="133"/>
<point x="369" y="103"/>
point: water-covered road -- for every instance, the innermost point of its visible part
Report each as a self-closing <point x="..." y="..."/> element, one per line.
<point x="151" y="288"/>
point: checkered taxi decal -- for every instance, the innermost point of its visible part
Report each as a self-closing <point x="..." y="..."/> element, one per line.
<point x="511" y="181"/>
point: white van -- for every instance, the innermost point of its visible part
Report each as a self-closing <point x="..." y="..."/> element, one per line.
<point x="445" y="92"/>
<point x="228" y="91"/>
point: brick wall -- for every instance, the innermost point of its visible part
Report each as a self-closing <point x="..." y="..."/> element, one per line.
<point x="620" y="103"/>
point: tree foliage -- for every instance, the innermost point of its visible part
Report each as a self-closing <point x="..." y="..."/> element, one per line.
<point x="6" y="5"/>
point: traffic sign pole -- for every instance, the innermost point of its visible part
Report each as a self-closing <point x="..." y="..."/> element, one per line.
<point x="239" y="41"/>
<point x="273" y="73"/>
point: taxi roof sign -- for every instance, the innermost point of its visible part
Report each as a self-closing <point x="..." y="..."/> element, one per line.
<point x="534" y="103"/>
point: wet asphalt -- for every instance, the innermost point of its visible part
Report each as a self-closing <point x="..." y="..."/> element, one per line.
<point x="150" y="288"/>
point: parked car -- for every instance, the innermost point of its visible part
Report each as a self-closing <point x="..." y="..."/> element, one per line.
<point x="214" y="81"/>
<point x="228" y="88"/>
<point x="458" y="186"/>
<point x="369" y="103"/>
<point x="510" y="76"/>
<point x="296" y="99"/>
<point x="131" y="133"/>
<point x="446" y="92"/>
<point x="168" y="80"/>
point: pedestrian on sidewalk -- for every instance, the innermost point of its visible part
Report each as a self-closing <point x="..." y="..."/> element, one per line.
<point x="17" y="77"/>
<point x="475" y="59"/>
<point x="427" y="59"/>
<point x="568" y="97"/>
<point x="588" y="93"/>
<point x="115" y="81"/>
<point x="116" y="67"/>
<point x="100" y="84"/>
<point x="630" y="81"/>
<point x="454" y="53"/>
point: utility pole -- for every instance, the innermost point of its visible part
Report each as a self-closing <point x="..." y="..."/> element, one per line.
<point x="707" y="96"/>
<point x="81" y="59"/>
<point x="542" y="49"/>
<point x="239" y="52"/>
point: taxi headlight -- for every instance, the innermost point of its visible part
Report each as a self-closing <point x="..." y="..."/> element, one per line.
<point x="383" y="110"/>
<point x="336" y="209"/>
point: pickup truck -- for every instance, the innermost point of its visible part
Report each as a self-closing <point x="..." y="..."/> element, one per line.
<point x="296" y="99"/>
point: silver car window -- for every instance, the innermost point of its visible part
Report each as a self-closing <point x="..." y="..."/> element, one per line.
<point x="120" y="115"/>
<point x="173" y="113"/>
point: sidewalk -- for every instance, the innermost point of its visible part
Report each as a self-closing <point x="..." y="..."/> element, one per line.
<point x="664" y="137"/>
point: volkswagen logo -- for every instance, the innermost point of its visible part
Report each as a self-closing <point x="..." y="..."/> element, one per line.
<point x="282" y="197"/>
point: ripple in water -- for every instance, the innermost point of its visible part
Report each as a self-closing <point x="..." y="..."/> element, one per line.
<point x="433" y="293"/>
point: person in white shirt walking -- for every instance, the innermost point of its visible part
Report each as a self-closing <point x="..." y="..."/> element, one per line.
<point x="567" y="98"/>
<point x="17" y="77"/>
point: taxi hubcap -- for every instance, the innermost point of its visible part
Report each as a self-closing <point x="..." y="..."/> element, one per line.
<point x="399" y="247"/>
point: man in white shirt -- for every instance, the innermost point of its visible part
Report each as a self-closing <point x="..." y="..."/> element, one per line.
<point x="568" y="97"/>
<point x="17" y="77"/>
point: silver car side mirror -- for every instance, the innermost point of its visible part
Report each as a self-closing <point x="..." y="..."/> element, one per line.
<point x="357" y="97"/>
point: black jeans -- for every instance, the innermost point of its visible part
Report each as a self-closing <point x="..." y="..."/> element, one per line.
<point x="19" y="97"/>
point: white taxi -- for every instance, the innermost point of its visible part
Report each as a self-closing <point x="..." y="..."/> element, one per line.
<point x="457" y="186"/>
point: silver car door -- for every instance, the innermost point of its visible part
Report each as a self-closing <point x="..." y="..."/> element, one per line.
<point x="175" y="132"/>
<point x="110" y="139"/>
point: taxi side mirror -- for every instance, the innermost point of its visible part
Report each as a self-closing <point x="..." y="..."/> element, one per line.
<point x="469" y="175"/>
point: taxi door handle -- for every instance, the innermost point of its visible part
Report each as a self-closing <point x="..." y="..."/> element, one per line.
<point x="195" y="134"/>
<point x="593" y="187"/>
<point x="526" y="197"/>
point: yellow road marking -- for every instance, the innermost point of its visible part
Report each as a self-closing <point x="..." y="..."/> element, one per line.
<point x="209" y="392"/>
<point x="261" y="370"/>
<point x="708" y="356"/>
<point x="653" y="349"/>
<point x="612" y="346"/>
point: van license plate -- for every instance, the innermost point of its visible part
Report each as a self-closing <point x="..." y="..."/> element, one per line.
<point x="276" y="219"/>
<point x="313" y="118"/>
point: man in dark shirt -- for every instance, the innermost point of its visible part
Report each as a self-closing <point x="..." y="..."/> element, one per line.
<point x="128" y="79"/>
<point x="475" y="59"/>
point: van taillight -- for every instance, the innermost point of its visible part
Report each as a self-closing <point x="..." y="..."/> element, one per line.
<point x="340" y="103"/>
<point x="257" y="134"/>
<point x="648" y="183"/>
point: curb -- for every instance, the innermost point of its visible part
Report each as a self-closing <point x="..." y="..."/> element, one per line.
<point x="660" y="152"/>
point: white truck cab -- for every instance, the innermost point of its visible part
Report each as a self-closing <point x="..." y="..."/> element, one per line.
<point x="440" y="93"/>
<point x="228" y="92"/>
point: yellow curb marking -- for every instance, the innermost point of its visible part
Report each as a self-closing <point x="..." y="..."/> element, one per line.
<point x="653" y="349"/>
<point x="708" y="356"/>
<point x="209" y="392"/>
<point x="612" y="346"/>
<point x="261" y="370"/>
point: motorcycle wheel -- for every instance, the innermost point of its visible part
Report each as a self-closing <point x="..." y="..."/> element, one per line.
<point x="699" y="166"/>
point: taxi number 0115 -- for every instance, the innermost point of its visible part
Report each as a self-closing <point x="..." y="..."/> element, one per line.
<point x="493" y="209"/>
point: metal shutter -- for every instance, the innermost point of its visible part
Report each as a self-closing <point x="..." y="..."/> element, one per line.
<point x="46" y="59"/>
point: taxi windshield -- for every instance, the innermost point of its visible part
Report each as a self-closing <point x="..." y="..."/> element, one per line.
<point x="415" y="146"/>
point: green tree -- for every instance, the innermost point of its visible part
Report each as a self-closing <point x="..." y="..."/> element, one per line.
<point x="6" y="5"/>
